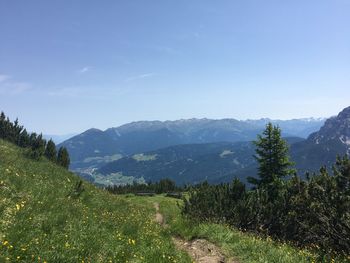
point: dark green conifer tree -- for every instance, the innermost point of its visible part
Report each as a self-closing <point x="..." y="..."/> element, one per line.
<point x="63" y="157"/>
<point x="2" y="125"/>
<point x="272" y="156"/>
<point x="38" y="146"/>
<point x="24" y="139"/>
<point x="50" y="151"/>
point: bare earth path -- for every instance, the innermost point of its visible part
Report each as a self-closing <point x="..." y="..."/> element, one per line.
<point x="200" y="250"/>
<point x="159" y="217"/>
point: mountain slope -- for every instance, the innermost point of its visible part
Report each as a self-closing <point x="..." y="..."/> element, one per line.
<point x="190" y="163"/>
<point x="89" y="148"/>
<point x="220" y="162"/>
<point x="322" y="147"/>
<point x="93" y="148"/>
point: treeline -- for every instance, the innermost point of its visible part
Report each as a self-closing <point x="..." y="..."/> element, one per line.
<point x="314" y="212"/>
<point x="35" y="143"/>
<point x="163" y="186"/>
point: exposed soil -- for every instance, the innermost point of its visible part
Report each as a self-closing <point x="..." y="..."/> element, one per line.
<point x="200" y="250"/>
<point x="159" y="217"/>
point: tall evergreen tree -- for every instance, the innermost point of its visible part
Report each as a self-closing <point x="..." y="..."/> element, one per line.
<point x="50" y="151"/>
<point x="63" y="157"/>
<point x="24" y="139"/>
<point x="38" y="146"/>
<point x="2" y="125"/>
<point x="272" y="156"/>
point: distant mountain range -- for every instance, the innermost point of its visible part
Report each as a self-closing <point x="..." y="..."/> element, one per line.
<point x="94" y="148"/>
<point x="222" y="161"/>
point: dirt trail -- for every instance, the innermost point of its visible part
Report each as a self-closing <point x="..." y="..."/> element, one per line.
<point x="159" y="217"/>
<point x="200" y="250"/>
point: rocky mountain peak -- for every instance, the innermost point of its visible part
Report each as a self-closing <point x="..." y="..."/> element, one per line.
<point x="335" y="128"/>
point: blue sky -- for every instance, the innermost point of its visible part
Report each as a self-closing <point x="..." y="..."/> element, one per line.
<point x="66" y="66"/>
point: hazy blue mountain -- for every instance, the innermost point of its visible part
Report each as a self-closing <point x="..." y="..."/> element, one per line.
<point x="222" y="161"/>
<point x="295" y="127"/>
<point x="93" y="148"/>
<point x="90" y="149"/>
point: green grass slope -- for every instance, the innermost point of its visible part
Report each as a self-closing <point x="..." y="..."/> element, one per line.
<point x="43" y="220"/>
<point x="243" y="247"/>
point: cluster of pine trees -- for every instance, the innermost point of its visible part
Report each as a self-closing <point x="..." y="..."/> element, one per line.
<point x="163" y="186"/>
<point x="311" y="212"/>
<point x="38" y="147"/>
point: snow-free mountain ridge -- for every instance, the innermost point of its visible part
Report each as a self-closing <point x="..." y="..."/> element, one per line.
<point x="93" y="148"/>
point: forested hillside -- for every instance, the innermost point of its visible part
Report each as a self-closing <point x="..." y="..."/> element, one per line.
<point x="191" y="163"/>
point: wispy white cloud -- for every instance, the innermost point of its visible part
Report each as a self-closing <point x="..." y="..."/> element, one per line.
<point x="166" y="49"/>
<point x="14" y="88"/>
<point x="82" y="92"/>
<point x="8" y="86"/>
<point x="4" y="77"/>
<point x="66" y="92"/>
<point x="20" y="87"/>
<point x="141" y="76"/>
<point x="84" y="70"/>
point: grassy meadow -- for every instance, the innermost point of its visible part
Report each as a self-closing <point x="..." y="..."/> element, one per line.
<point x="45" y="216"/>
<point x="241" y="246"/>
<point x="44" y="219"/>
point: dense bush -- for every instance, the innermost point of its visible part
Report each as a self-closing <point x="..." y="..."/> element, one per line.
<point x="314" y="212"/>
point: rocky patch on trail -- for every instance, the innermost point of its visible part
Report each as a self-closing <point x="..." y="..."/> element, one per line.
<point x="200" y="250"/>
<point x="159" y="217"/>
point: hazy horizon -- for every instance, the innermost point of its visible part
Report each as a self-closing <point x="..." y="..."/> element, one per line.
<point x="119" y="125"/>
<point x="69" y="66"/>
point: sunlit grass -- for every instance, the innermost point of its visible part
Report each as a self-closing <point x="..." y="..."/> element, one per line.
<point x="41" y="222"/>
<point x="242" y="246"/>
